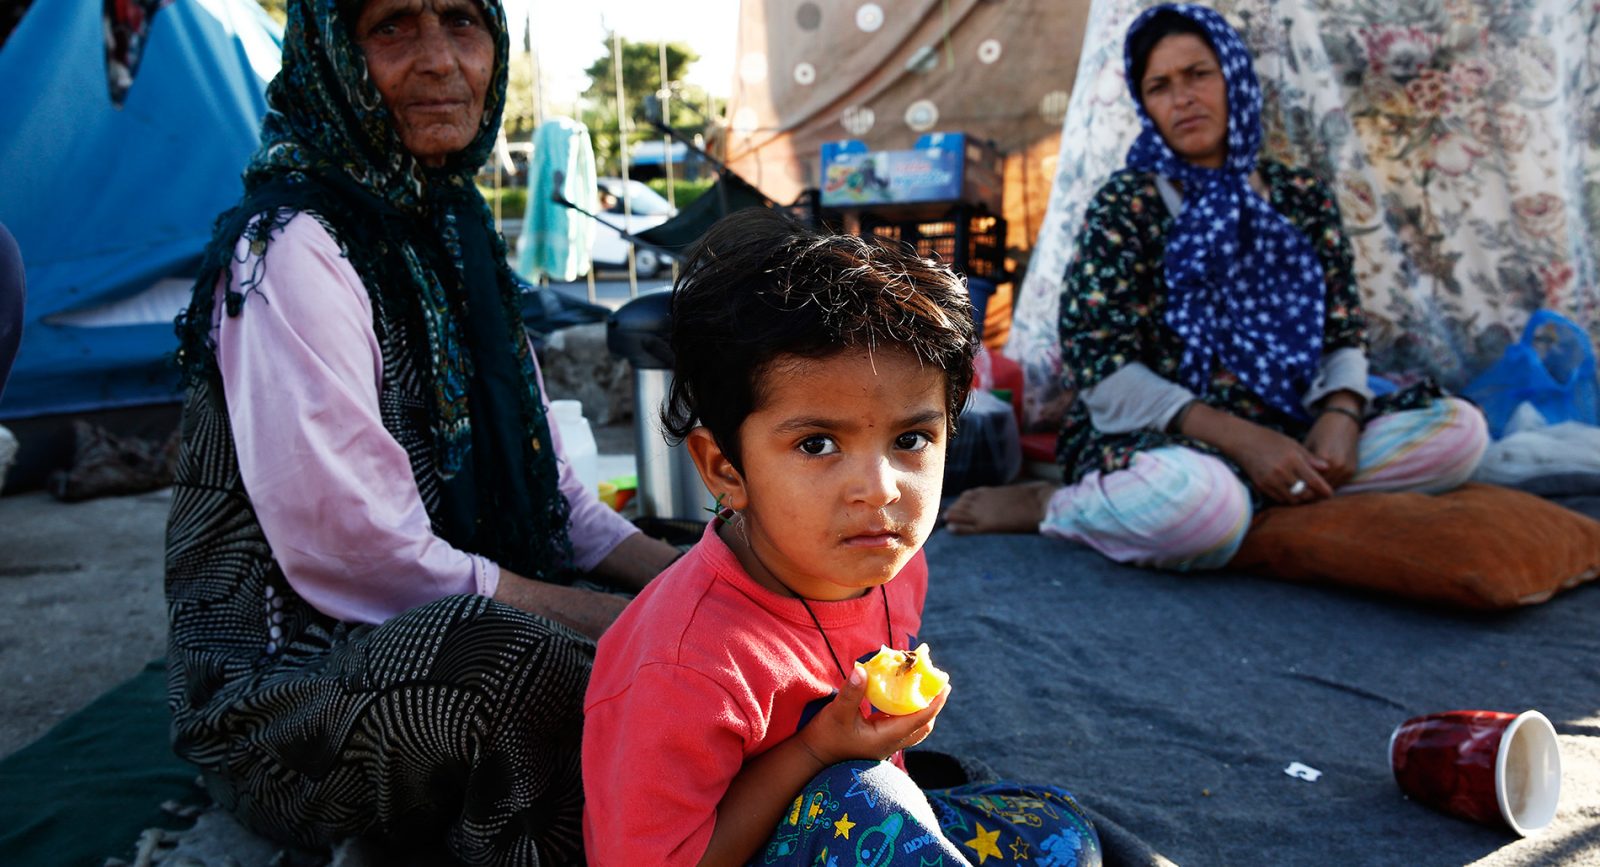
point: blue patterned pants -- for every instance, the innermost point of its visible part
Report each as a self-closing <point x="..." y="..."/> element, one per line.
<point x="870" y="814"/>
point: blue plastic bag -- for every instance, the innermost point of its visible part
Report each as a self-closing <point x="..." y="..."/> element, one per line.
<point x="1552" y="368"/>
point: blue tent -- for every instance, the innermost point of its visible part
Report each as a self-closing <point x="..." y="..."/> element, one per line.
<point x="111" y="208"/>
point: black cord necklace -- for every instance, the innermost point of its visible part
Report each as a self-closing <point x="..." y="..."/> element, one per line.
<point x="888" y="628"/>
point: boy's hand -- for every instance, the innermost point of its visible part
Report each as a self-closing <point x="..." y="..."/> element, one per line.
<point x="765" y="787"/>
<point x="839" y="732"/>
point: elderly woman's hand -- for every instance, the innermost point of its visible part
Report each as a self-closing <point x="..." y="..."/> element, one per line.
<point x="590" y="612"/>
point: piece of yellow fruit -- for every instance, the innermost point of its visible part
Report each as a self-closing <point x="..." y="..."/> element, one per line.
<point x="903" y="681"/>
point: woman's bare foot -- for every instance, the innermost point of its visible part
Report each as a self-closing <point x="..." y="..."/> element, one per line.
<point x="1007" y="509"/>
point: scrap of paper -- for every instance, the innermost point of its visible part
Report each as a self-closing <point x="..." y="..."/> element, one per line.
<point x="1304" y="772"/>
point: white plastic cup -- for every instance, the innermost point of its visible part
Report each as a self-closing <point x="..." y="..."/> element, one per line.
<point x="577" y="441"/>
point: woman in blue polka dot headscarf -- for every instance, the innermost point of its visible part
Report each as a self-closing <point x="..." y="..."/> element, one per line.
<point x="1200" y="109"/>
<point x="1212" y="326"/>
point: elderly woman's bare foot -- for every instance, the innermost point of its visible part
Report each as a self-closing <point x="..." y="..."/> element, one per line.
<point x="1007" y="509"/>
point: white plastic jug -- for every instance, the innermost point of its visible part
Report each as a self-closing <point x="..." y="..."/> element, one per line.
<point x="577" y="441"/>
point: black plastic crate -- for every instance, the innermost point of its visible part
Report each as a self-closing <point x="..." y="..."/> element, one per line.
<point x="983" y="253"/>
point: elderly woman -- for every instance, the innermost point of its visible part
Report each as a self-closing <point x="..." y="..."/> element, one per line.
<point x="1212" y="325"/>
<point x="374" y="539"/>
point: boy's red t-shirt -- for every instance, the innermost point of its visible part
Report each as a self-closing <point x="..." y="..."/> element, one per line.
<point x="703" y="671"/>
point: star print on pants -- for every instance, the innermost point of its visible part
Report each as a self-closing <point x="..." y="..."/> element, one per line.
<point x="842" y="827"/>
<point x="858" y="790"/>
<point x="984" y="844"/>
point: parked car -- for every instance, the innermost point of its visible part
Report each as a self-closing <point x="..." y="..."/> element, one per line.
<point x="647" y="210"/>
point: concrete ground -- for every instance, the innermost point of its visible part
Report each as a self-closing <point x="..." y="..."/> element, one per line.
<point x="81" y="602"/>
<point x="81" y="606"/>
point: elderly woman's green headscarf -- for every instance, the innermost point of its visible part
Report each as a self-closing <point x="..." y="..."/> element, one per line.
<point x="422" y="241"/>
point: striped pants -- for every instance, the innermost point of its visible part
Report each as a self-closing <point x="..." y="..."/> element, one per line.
<point x="1177" y="508"/>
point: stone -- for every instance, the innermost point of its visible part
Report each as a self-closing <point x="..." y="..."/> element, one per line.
<point x="218" y="840"/>
<point x="578" y="366"/>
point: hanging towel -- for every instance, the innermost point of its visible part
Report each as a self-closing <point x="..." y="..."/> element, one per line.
<point x="555" y="238"/>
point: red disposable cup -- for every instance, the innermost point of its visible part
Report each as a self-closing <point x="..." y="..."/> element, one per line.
<point x="1487" y="766"/>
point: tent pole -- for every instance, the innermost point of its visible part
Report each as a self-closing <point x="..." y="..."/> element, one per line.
<point x="666" y="118"/>
<point x="577" y="101"/>
<point x="499" y="150"/>
<point x="666" y="140"/>
<point x="622" y="158"/>
<point x="537" y="84"/>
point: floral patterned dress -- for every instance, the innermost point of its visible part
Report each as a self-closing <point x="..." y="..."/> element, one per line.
<point x="1112" y="314"/>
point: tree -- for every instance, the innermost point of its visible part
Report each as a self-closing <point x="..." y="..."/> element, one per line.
<point x="522" y="104"/>
<point x="641" y="78"/>
<point x="641" y="73"/>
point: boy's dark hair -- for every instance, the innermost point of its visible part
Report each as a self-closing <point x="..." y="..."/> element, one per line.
<point x="1165" y="23"/>
<point x="760" y="285"/>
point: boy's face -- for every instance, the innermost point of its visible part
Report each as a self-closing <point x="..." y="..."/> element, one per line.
<point x="843" y="463"/>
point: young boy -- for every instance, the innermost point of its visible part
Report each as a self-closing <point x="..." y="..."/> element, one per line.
<point x="817" y="380"/>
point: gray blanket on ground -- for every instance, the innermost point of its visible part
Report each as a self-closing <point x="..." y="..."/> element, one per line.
<point x="1170" y="704"/>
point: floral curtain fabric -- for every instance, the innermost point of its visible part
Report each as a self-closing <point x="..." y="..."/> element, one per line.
<point x="1461" y="136"/>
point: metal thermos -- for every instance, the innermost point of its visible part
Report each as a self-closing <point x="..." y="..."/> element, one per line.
<point x="669" y="487"/>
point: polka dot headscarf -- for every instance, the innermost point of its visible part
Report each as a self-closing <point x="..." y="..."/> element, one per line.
<point x="1244" y="286"/>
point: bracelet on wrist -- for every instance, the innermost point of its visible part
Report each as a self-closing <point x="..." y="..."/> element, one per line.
<point x="1176" y="425"/>
<point x="1344" y="411"/>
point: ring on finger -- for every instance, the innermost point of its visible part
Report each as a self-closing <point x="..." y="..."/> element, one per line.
<point x="1298" y="488"/>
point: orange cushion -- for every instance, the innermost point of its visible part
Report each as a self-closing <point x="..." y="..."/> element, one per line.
<point x="1480" y="546"/>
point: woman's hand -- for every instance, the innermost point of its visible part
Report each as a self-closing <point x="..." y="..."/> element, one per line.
<point x="1335" y="438"/>
<point x="590" y="612"/>
<point x="1283" y="469"/>
<point x="636" y="560"/>
<point x="1280" y="468"/>
<point x="839" y="732"/>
